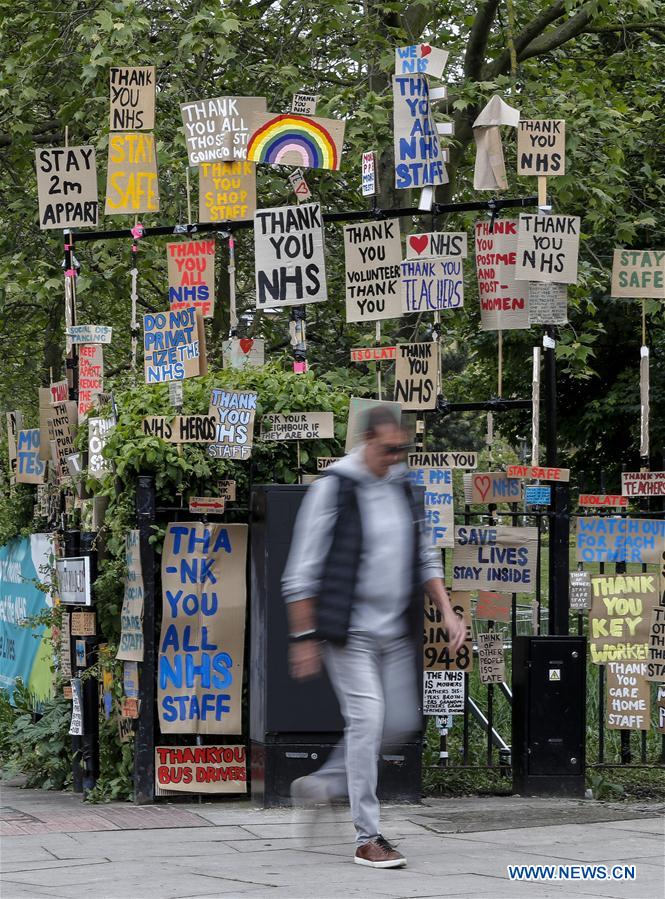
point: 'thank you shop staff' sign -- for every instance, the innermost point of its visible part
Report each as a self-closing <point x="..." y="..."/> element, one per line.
<point x="373" y="255"/>
<point x="203" y="628"/>
<point x="491" y="558"/>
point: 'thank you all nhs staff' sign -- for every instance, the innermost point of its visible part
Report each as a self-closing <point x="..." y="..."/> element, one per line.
<point x="203" y="628"/>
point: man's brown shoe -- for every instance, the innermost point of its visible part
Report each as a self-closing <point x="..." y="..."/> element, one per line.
<point x="379" y="853"/>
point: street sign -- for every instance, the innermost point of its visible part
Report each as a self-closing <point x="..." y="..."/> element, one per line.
<point x="207" y="505"/>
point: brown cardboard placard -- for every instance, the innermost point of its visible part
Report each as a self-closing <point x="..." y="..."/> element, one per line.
<point x="491" y="666"/>
<point x="495" y="558"/>
<point x="465" y="459"/>
<point x="297" y="426"/>
<point x="547" y="248"/>
<point x="91" y="376"/>
<point x="181" y="428"/>
<point x="227" y="489"/>
<point x="417" y="375"/>
<point x="243" y="352"/>
<point x="504" y="300"/>
<point x="437" y="244"/>
<point x="437" y="655"/>
<point x="660" y="709"/>
<point x="227" y="191"/>
<point x="59" y="392"/>
<point x="538" y="473"/>
<point x="291" y="139"/>
<point x="638" y="274"/>
<point x="439" y="522"/>
<point x="416" y="145"/>
<point x="201" y="769"/>
<point x="83" y="624"/>
<point x="30" y="469"/>
<point x="132" y="90"/>
<point x="620" y="615"/>
<point x="174" y="345"/>
<point x="132" y="187"/>
<point x="61" y="425"/>
<point x="373" y="354"/>
<point x="656" y="645"/>
<point x="217" y="130"/>
<point x="602" y="500"/>
<point x="130" y="647"/>
<point x="234" y="412"/>
<point x="493" y="487"/>
<point x="373" y="257"/>
<point x="130" y="707"/>
<point x="494" y="606"/>
<point x="541" y="147"/>
<point x="203" y="628"/>
<point x="628" y="696"/>
<point x="191" y="273"/>
<point x="67" y="187"/>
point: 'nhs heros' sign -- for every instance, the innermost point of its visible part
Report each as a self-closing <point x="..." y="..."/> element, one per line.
<point x="203" y="628"/>
<point x="495" y="558"/>
<point x="174" y="345"/>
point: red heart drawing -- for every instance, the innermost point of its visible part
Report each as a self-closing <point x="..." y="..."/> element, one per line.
<point x="419" y="243"/>
<point x="246" y="343"/>
<point x="425" y="50"/>
<point x="482" y="481"/>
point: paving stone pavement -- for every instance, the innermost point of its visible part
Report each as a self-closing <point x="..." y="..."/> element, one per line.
<point x="54" y="846"/>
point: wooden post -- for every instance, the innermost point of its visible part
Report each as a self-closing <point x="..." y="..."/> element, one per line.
<point x="542" y="191"/>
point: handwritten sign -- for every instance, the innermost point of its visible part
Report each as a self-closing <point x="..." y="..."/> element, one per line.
<point x="373" y="256"/>
<point x="373" y="354"/>
<point x="201" y="769"/>
<point x="67" y="187"/>
<point x="206" y="505"/>
<point x="30" y="469"/>
<point x="504" y="300"/>
<point x="537" y="495"/>
<point x="61" y="424"/>
<point x="494" y="606"/>
<point x="131" y="180"/>
<point x="656" y="644"/>
<point x="547" y="248"/>
<point x="451" y="244"/>
<point x="131" y="616"/>
<point x="299" y="186"/>
<point x="130" y="680"/>
<point x="417" y="375"/>
<point x="293" y="139"/>
<point x="548" y="303"/>
<point x="369" y="179"/>
<point x="541" y="147"/>
<point x="491" y="668"/>
<point x="452" y="459"/>
<point x="420" y="59"/>
<point x="83" y="624"/>
<point x="304" y="104"/>
<point x="443" y="693"/>
<point x="91" y="375"/>
<point x="489" y="558"/>
<point x="324" y="462"/>
<point x="59" y="392"/>
<point x="660" y="709"/>
<point x="628" y="696"/>
<point x="182" y="428"/>
<point x="73" y="578"/>
<point x="174" y="345"/>
<point x="418" y="156"/>
<point x="202" y="638"/>
<point x="297" y="426"/>
<point x="132" y="98"/>
<point x="98" y="433"/>
<point x="227" y="191"/>
<point x="76" y="725"/>
<point x="619" y="619"/>
<point x="431" y="285"/>
<point x="289" y="256"/>
<point x="538" y="473"/>
<point x="643" y="483"/>
<point x="217" y="130"/>
<point x="606" y="539"/>
<point x="602" y="500"/>
<point x="191" y="273"/>
<point x="227" y="490"/>
<point x="437" y="654"/>
<point x="439" y="509"/>
<point x="638" y="273"/>
<point x="89" y="334"/>
<point x="243" y="352"/>
<point x="580" y="590"/>
<point x="492" y="487"/>
<point x="233" y="411"/>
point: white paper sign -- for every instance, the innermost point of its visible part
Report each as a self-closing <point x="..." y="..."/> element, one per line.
<point x="443" y="693"/>
<point x="373" y="254"/>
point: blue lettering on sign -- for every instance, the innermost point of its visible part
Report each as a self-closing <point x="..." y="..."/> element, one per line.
<point x="619" y="539"/>
<point x="537" y="496"/>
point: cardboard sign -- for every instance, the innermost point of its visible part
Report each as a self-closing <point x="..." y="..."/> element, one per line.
<point x="227" y="490"/>
<point x="243" y="352"/>
<point x="660" y="709"/>
<point x="494" y="606"/>
<point x="227" y="191"/>
<point x="98" y="433"/>
<point x="217" y="130"/>
<point x="299" y="186"/>
<point x="83" y="624"/>
<point x="61" y="429"/>
<point x="311" y="142"/>
<point x="439" y="510"/>
<point x="602" y="500"/>
<point x="619" y="619"/>
<point x="130" y="648"/>
<point x="191" y="273"/>
<point x="182" y="428"/>
<point x="65" y="645"/>
<point x="132" y="187"/>
<point x="548" y="303"/>
<point x="324" y="462"/>
<point x="437" y="655"/>
<point x="132" y="98"/>
<point x="493" y="487"/>
<point x="547" y="248"/>
<point x="443" y="692"/>
<point x="643" y="483"/>
<point x="373" y="354"/>
<point x="452" y="459"/>
<point x="297" y="426"/>
<point x="130" y="708"/>
<point x="89" y="334"/>
<point x="437" y="244"/>
<point x="207" y="505"/>
<point x="30" y="469"/>
<point x="176" y="394"/>
<point x="504" y="301"/>
<point x="656" y="644"/>
<point x="417" y="375"/>
<point x="538" y="473"/>
<point x="373" y="256"/>
<point x="289" y="256"/>
<point x="73" y="577"/>
<point x="202" y="639"/>
<point x="59" y="392"/>
<point x="606" y="539"/>
<point x="493" y="558"/>
<point x="369" y="178"/>
<point x="580" y="590"/>
<point x="201" y="769"/>
<point x="174" y="345"/>
<point x="638" y="274"/>
<point x="491" y="668"/>
<point x="67" y="187"/>
<point x="418" y="156"/>
<point x="304" y="104"/>
<point x="76" y="725"/>
<point x="628" y="696"/>
<point x="91" y="376"/>
<point x="431" y="285"/>
<point x="541" y="147"/>
<point x="358" y="410"/>
<point x="420" y="59"/>
<point x="233" y="411"/>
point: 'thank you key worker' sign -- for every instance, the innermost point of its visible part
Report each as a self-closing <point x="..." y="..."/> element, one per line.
<point x="619" y="619"/>
<point x="489" y="558"/>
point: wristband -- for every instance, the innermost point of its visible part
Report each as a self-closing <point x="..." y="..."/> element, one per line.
<point x="302" y="635"/>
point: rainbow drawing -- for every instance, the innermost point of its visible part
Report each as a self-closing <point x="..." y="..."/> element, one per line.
<point x="291" y="139"/>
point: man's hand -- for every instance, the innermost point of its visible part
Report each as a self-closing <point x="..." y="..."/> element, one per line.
<point x="456" y="629"/>
<point x="305" y="659"/>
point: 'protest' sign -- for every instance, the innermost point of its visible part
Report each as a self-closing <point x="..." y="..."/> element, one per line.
<point x="538" y="473"/>
<point x="30" y="469"/>
<point x="67" y="187"/>
<point x="619" y="619"/>
<point x="451" y="459"/>
<point x="638" y="273"/>
<point x="431" y="285"/>
<point x="643" y="483"/>
<point x="493" y="606"/>
<point x="420" y="59"/>
<point x="443" y="693"/>
<point x="580" y="590"/>
<point x="89" y="333"/>
<point x="489" y="558"/>
<point x="131" y="179"/>
<point x="202" y="639"/>
<point x="418" y="156"/>
<point x="217" y="130"/>
<point x="417" y="375"/>
<point x="451" y="244"/>
<point x="504" y="301"/>
<point x="628" y="696"/>
<point x="547" y="248"/>
<point x="439" y="509"/>
<point x="91" y="375"/>
<point x="73" y="579"/>
<point x="174" y="345"/>
<point x="297" y="426"/>
<point x="233" y="411"/>
<point x="541" y="147"/>
<point x="182" y="428"/>
<point x="492" y="487"/>
<point x="437" y="655"/>
<point x="289" y="256"/>
<point x="548" y="303"/>
<point x="227" y="191"/>
<point x="131" y="616"/>
<point x="372" y="255"/>
<point x="491" y="668"/>
<point x="605" y="539"/>
<point x="98" y="432"/>
<point x="191" y="273"/>
<point x="132" y="98"/>
<point x="369" y="184"/>
<point x="201" y="769"/>
<point x="602" y="500"/>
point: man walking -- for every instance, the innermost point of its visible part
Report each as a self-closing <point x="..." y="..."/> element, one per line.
<point x="354" y="585"/>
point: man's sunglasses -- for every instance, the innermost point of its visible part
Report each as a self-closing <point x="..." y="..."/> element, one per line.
<point x="397" y="450"/>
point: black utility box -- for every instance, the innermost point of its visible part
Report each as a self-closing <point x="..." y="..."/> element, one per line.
<point x="549" y="716"/>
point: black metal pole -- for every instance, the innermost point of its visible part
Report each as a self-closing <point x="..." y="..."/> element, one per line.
<point x="90" y="738"/>
<point x="72" y="545"/>
<point x="144" y="754"/>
